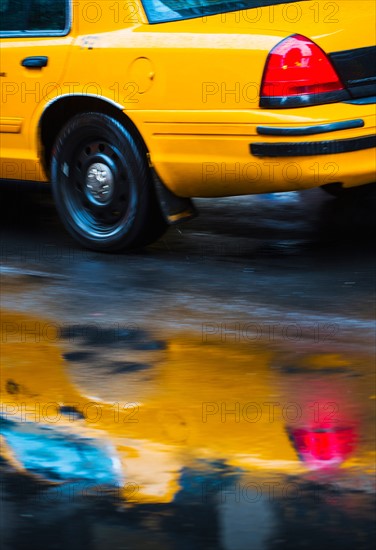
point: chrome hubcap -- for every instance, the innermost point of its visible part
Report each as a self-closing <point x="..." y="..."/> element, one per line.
<point x="99" y="182"/>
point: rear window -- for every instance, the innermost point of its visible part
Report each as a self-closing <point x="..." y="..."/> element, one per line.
<point x="159" y="11"/>
<point x="34" y="16"/>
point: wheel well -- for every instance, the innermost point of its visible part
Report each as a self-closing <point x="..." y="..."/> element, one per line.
<point x="58" y="114"/>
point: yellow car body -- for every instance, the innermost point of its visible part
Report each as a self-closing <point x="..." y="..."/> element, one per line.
<point x="191" y="88"/>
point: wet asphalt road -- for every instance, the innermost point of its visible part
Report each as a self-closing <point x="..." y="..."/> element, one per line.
<point x="173" y="356"/>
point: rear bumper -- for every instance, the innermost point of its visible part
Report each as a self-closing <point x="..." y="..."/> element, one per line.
<point x="223" y="153"/>
<point x="313" y="148"/>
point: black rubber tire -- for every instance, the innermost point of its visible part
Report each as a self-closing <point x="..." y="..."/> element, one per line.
<point x="336" y="190"/>
<point x="131" y="217"/>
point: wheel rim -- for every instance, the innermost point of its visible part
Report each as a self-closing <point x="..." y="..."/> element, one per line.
<point x="97" y="189"/>
<point x="99" y="183"/>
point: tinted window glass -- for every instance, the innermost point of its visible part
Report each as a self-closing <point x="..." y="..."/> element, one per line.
<point x="33" y="15"/>
<point x="159" y="11"/>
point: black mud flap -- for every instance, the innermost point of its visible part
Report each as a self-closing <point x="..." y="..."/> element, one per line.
<point x="175" y="209"/>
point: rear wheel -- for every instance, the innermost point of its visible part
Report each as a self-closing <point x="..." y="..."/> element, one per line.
<point x="102" y="185"/>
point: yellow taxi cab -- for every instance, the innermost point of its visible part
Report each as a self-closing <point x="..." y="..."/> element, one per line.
<point x="251" y="408"/>
<point x="131" y="108"/>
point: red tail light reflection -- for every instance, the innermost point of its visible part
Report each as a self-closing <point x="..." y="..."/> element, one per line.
<point x="321" y="447"/>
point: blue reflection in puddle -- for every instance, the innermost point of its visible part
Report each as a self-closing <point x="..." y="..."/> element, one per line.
<point x="57" y="455"/>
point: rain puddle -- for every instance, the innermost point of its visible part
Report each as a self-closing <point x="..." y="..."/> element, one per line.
<point x="182" y="442"/>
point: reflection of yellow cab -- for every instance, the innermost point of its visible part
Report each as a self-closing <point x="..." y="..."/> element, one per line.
<point x="201" y="402"/>
<point x="132" y="109"/>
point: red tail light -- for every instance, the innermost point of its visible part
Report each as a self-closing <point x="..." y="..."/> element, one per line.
<point x="325" y="446"/>
<point x="298" y="73"/>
